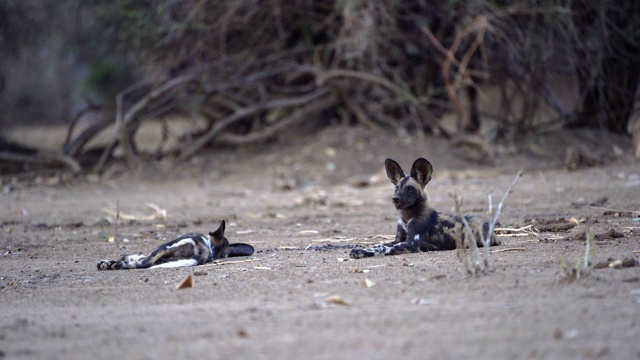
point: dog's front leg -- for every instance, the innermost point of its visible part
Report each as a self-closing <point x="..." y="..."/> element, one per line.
<point x="410" y="244"/>
<point x="401" y="235"/>
<point x="382" y="249"/>
<point x="407" y="241"/>
<point x="403" y="247"/>
<point x="407" y="244"/>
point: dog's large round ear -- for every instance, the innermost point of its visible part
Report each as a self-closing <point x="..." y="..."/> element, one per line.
<point x="421" y="170"/>
<point x="220" y="232"/>
<point x="394" y="171"/>
<point x="240" y="249"/>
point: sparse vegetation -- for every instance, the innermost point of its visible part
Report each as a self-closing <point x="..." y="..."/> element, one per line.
<point x="468" y="251"/>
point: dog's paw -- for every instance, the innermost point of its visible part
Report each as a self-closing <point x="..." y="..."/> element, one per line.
<point x="109" y="265"/>
<point x="358" y="254"/>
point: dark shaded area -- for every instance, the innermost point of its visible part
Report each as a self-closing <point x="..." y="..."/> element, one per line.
<point x="608" y="77"/>
<point x="246" y="73"/>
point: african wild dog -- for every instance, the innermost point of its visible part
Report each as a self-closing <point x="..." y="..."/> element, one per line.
<point x="419" y="226"/>
<point x="187" y="250"/>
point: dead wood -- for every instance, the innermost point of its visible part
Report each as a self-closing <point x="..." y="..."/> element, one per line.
<point x="189" y="149"/>
<point x="87" y="109"/>
<point x="74" y="147"/>
<point x="376" y="60"/>
<point x="44" y="158"/>
<point x="124" y="130"/>
<point x="300" y="115"/>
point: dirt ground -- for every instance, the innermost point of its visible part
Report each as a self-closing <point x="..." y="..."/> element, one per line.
<point x="296" y="300"/>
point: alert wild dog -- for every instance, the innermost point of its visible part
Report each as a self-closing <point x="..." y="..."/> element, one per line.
<point x="420" y="227"/>
<point x="186" y="250"/>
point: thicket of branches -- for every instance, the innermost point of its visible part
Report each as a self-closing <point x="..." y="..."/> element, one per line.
<point x="252" y="68"/>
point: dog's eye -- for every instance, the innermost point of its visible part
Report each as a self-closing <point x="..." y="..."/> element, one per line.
<point x="397" y="187"/>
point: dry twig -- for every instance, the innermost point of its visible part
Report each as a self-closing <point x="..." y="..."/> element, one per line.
<point x="475" y="263"/>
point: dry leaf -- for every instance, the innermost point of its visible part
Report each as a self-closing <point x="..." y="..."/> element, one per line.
<point x="366" y="283"/>
<point x="262" y="268"/>
<point x="573" y="221"/>
<point x="335" y="299"/>
<point x="421" y="301"/>
<point x="356" y="270"/>
<point x="565" y="335"/>
<point x="343" y="259"/>
<point x="111" y="239"/>
<point x="330" y="152"/>
<point x="186" y="283"/>
<point x="616" y="264"/>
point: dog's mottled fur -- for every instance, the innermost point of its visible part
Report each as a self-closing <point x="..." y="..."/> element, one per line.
<point x="187" y="250"/>
<point x="419" y="226"/>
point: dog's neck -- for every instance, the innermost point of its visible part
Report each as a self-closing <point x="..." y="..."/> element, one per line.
<point x="413" y="211"/>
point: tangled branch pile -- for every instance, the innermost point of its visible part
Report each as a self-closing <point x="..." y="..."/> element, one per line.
<point x="250" y="69"/>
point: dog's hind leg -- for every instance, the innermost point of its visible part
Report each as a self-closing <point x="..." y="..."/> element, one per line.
<point x="125" y="262"/>
<point x="177" y="263"/>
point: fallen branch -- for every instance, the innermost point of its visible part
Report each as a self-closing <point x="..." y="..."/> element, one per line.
<point x="286" y="123"/>
<point x="612" y="210"/>
<point x="123" y="131"/>
<point x="524" y="228"/>
<point x="528" y="230"/>
<point x="221" y="125"/>
<point x="74" y="147"/>
<point x="44" y="158"/>
<point x="508" y="249"/>
<point x="123" y="134"/>
<point x="515" y="235"/>
<point x="224" y="262"/>
<point x="87" y="109"/>
<point x="323" y="78"/>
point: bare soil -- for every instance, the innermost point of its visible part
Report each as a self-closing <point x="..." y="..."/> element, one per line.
<point x="296" y="299"/>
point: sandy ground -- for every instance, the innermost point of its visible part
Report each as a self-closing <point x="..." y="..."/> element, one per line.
<point x="294" y="300"/>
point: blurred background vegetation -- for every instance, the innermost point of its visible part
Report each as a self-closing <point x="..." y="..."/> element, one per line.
<point x="241" y="72"/>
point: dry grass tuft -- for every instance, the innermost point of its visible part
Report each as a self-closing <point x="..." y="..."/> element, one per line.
<point x="475" y="261"/>
<point x="580" y="267"/>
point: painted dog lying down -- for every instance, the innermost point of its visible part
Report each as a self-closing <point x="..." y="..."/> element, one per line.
<point x="421" y="228"/>
<point x="186" y="250"/>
